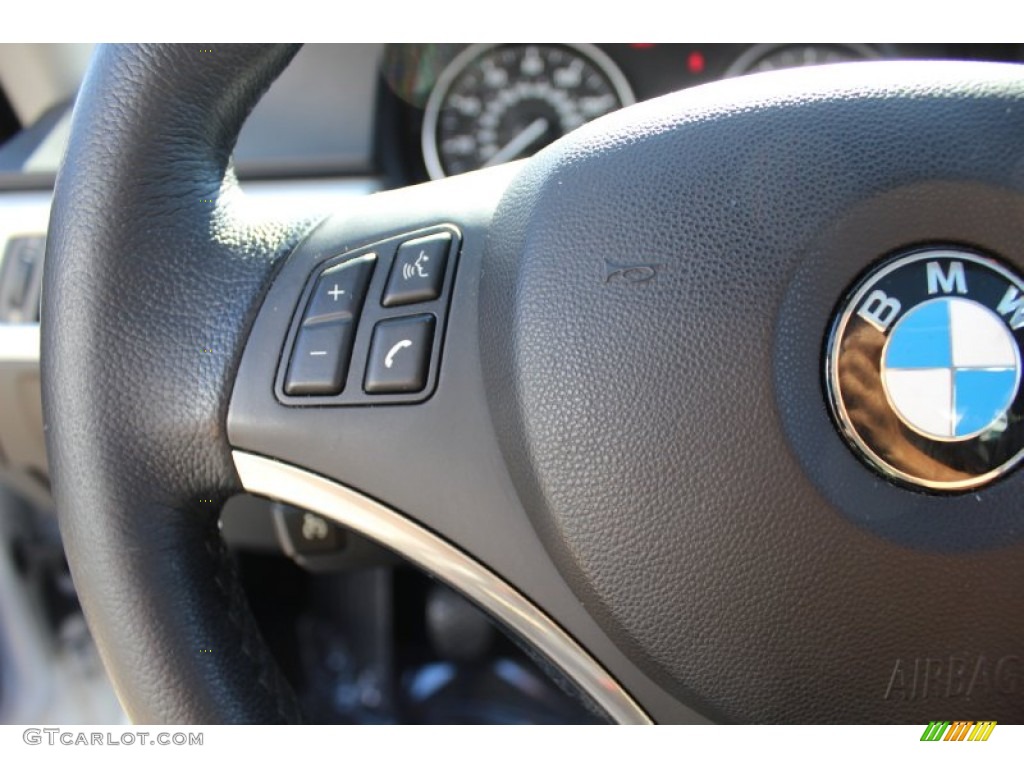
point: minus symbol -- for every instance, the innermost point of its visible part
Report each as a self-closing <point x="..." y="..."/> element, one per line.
<point x="317" y="354"/>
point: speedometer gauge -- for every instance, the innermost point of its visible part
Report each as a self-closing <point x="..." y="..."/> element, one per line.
<point x="767" y="57"/>
<point x="496" y="103"/>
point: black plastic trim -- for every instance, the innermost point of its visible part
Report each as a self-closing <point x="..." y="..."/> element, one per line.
<point x="372" y="313"/>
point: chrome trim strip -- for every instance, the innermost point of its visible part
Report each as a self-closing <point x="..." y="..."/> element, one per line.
<point x="19" y="343"/>
<point x="276" y="480"/>
<point x="23" y="213"/>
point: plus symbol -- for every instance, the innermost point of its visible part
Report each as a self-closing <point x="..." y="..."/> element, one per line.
<point x="335" y="292"/>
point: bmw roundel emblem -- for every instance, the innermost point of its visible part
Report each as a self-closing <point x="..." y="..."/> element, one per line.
<point x="924" y="369"/>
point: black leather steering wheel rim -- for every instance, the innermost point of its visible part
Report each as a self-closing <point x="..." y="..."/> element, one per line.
<point x="146" y="237"/>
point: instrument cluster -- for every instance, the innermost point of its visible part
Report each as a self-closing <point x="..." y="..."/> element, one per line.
<point x="460" y="108"/>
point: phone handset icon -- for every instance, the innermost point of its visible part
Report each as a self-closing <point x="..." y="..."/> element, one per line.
<point x="389" y="358"/>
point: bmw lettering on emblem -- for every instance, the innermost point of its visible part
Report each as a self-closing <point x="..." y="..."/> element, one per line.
<point x="924" y="369"/>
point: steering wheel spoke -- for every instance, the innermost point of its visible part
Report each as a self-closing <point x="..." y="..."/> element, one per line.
<point x="418" y="467"/>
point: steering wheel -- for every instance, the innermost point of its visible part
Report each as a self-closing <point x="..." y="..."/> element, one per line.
<point x="609" y="426"/>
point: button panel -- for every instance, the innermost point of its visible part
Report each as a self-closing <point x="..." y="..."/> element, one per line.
<point x="386" y="302"/>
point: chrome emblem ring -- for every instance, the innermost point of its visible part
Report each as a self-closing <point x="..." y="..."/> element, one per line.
<point x="923" y="369"/>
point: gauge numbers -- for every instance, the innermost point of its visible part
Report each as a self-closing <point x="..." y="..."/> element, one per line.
<point x="496" y="103"/>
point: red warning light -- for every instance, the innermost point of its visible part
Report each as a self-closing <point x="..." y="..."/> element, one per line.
<point x="641" y="45"/>
<point x="695" y="62"/>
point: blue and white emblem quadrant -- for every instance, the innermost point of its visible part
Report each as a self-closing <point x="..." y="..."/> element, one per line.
<point x="951" y="368"/>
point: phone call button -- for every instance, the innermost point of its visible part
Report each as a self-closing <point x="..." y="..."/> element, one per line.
<point x="400" y="355"/>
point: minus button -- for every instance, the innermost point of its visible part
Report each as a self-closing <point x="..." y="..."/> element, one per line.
<point x="320" y="359"/>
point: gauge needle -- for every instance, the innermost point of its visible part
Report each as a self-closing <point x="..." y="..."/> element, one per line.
<point x="519" y="142"/>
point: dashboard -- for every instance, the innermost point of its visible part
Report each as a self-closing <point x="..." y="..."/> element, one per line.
<point x="406" y="113"/>
<point x="453" y="108"/>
